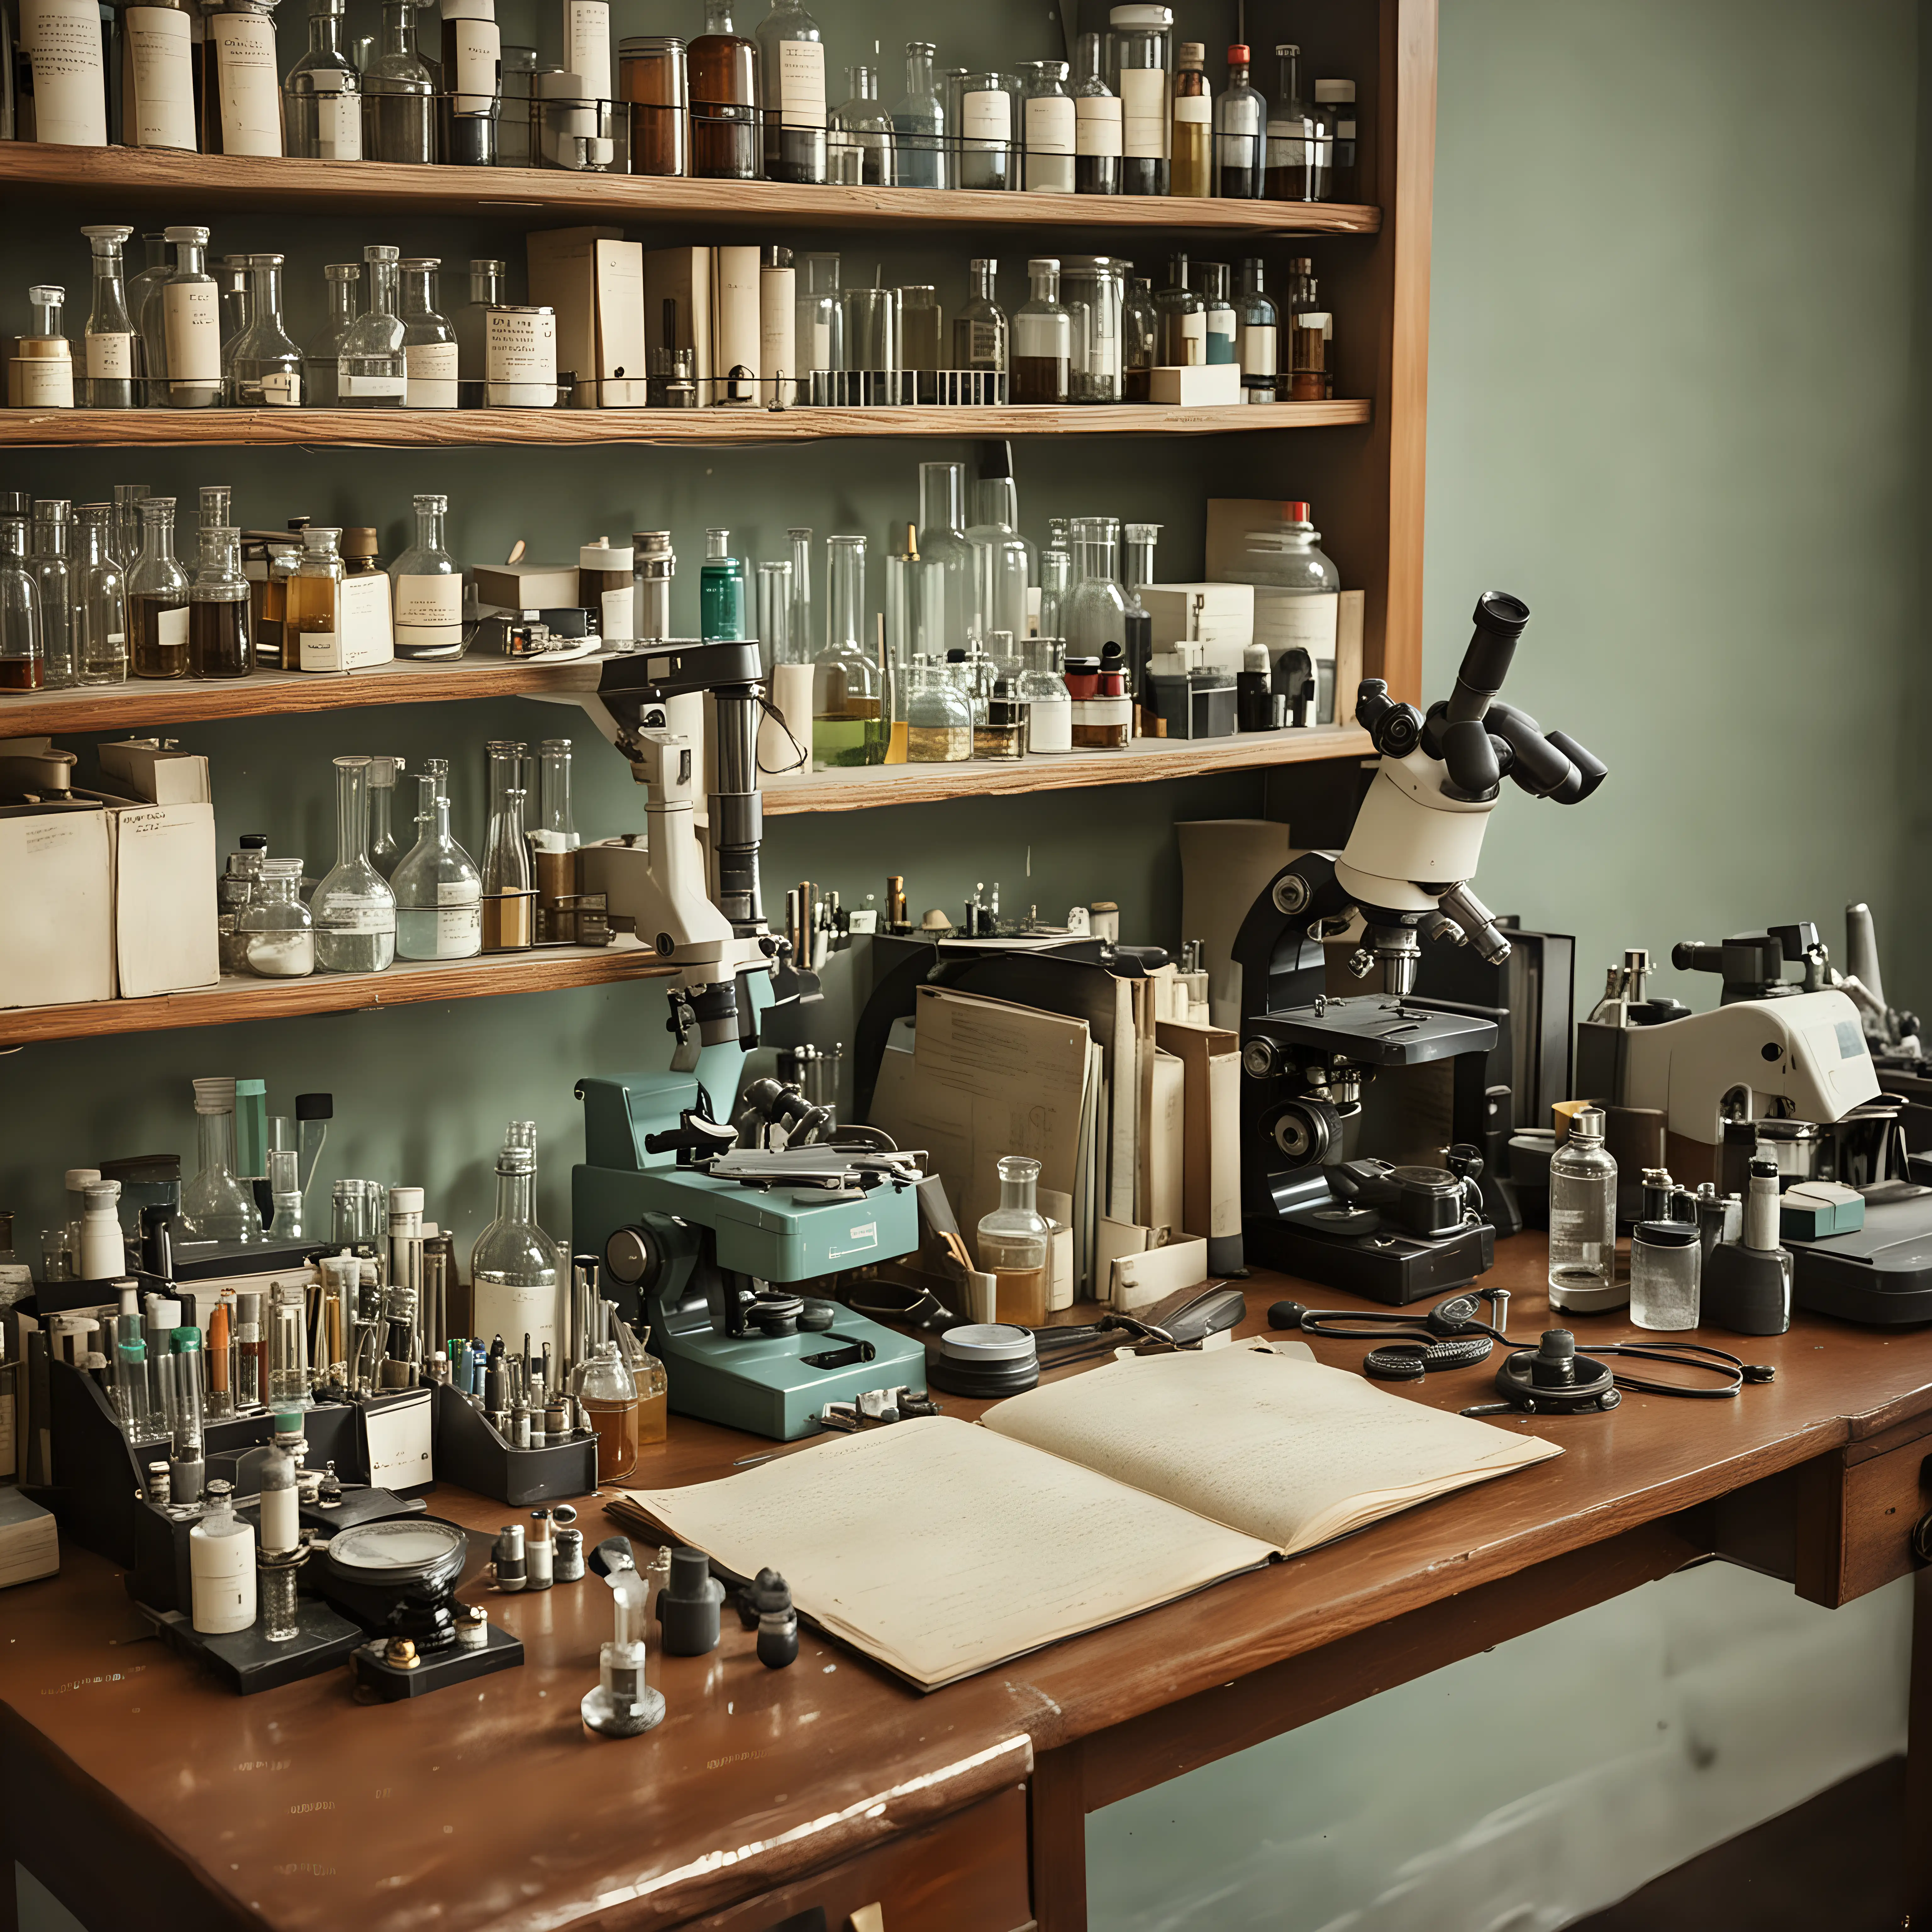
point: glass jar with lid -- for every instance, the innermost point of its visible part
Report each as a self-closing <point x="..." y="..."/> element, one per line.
<point x="986" y="145"/>
<point x="276" y="932"/>
<point x="1015" y="1244"/>
<point x="1093" y="291"/>
<point x="939" y="716"/>
<point x="1141" y="59"/>
<point x="1298" y="596"/>
<point x="653" y="78"/>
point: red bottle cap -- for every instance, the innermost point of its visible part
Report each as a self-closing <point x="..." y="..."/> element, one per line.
<point x="1297" y="513"/>
<point x="1237" y="56"/>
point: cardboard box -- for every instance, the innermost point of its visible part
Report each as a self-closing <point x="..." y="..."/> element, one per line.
<point x="563" y="263"/>
<point x="165" y="935"/>
<point x="527" y="587"/>
<point x="57" y="886"/>
<point x="364" y="636"/>
<point x="142" y="769"/>
<point x="1202" y="384"/>
<point x="1225" y="622"/>
<point x="734" y="329"/>
<point x="1211" y="1185"/>
<point x="1224" y="862"/>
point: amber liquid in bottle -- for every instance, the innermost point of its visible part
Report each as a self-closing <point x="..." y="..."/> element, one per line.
<point x="1193" y="140"/>
<point x="1040" y="379"/>
<point x="146" y="614"/>
<point x="311" y="608"/>
<point x="217" y="640"/>
<point x="724" y="142"/>
<point x="20" y="673"/>
<point x="1019" y="1296"/>
<point x="616" y="1424"/>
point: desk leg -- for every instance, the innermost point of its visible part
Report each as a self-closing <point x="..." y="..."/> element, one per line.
<point x="1056" y="1828"/>
<point x="1918" y="1758"/>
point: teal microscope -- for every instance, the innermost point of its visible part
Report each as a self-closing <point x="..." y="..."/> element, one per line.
<point x="723" y="1262"/>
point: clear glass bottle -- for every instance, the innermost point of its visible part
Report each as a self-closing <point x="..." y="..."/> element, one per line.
<point x="861" y="150"/>
<point x="1048" y="130"/>
<point x="312" y="602"/>
<point x="354" y="911"/>
<point x="191" y="326"/>
<point x="1191" y="173"/>
<point x="1137" y="568"/>
<point x="1014" y="1243"/>
<point x="158" y="597"/>
<point x="109" y="358"/>
<point x="791" y="57"/>
<point x="40" y="374"/>
<point x="1140" y="43"/>
<point x="515" y="1266"/>
<point x="1583" y="1213"/>
<point x="1257" y="335"/>
<point x="1043" y="346"/>
<point x="240" y="101"/>
<point x="266" y="368"/>
<point x="1183" y="318"/>
<point x="946" y="616"/>
<point x="231" y="286"/>
<point x="1140" y="339"/>
<point x="21" y="665"/>
<point x="1049" y="704"/>
<point x="556" y="829"/>
<point x="218" y="645"/>
<point x="470" y="102"/>
<point x="1056" y="578"/>
<point x="988" y="158"/>
<point x="1003" y="559"/>
<point x="343" y="280"/>
<point x="725" y="141"/>
<point x="143" y="292"/>
<point x="609" y="1394"/>
<point x="1097" y="124"/>
<point x="49" y="563"/>
<point x="849" y="723"/>
<point x="939" y="716"/>
<point x="1298" y="596"/>
<point x="1310" y="337"/>
<point x="472" y="326"/>
<point x="429" y="342"/>
<point x="218" y="1205"/>
<point x="99" y="599"/>
<point x="321" y="98"/>
<point x="1292" y="158"/>
<point x="275" y="931"/>
<point x="802" y="625"/>
<point x="1339" y="178"/>
<point x="1096" y="610"/>
<point x="1240" y="133"/>
<point x="1665" y="1272"/>
<point x="399" y="94"/>
<point x="721" y="591"/>
<point x="979" y="333"/>
<point x="820" y="330"/>
<point x="508" y="884"/>
<point x="374" y="366"/>
<point x="1222" y="325"/>
<point x="384" y="852"/>
<point x="428" y="588"/>
<point x="919" y="121"/>
<point x="438" y="886"/>
<point x="774" y="614"/>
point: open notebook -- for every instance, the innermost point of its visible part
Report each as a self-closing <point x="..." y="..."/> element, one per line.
<point x="942" y="1547"/>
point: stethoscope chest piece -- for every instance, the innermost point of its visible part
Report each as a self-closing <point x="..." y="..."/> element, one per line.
<point x="1552" y="1379"/>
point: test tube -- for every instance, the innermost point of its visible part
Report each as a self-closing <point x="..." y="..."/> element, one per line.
<point x="248" y="1349"/>
<point x="288" y="1347"/>
<point x="134" y="1397"/>
<point x="221" y="1352"/>
<point x="184" y="1346"/>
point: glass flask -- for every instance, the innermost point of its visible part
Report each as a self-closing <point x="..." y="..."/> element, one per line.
<point x="429" y="342"/>
<point x="218" y="1205"/>
<point x="438" y="889"/>
<point x="321" y="98"/>
<point x="1298" y="592"/>
<point x="979" y="333"/>
<point x="861" y="149"/>
<point x="725" y="145"/>
<point x="939" y="716"/>
<point x="721" y="591"/>
<point x="109" y="358"/>
<point x="384" y="852"/>
<point x="189" y="337"/>
<point x="1191" y="174"/>
<point x="947" y="616"/>
<point x="157" y="596"/>
<point x="355" y="910"/>
<point x="1140" y="39"/>
<point x="21" y="666"/>
<point x="1257" y="334"/>
<point x="325" y="358"/>
<point x="919" y="121"/>
<point x="609" y="1393"/>
<point x="374" y="366"/>
<point x="849" y="723"/>
<point x="1240" y="133"/>
<point x="1096" y="610"/>
<point x="311" y="601"/>
<point x="1140" y="339"/>
<point x="428" y="583"/>
<point x="1292" y="159"/>
<point x="515" y="1266"/>
<point x="49" y="564"/>
<point x="399" y="93"/>
<point x="774" y="614"/>
<point x="1049" y="704"/>
<point x="1096" y="124"/>
<point x="791" y="54"/>
<point x="218" y="643"/>
<point x="99" y="599"/>
<point x="275" y="930"/>
<point x="1582" y="1211"/>
<point x="472" y="332"/>
<point x="1014" y="1244"/>
<point x="265" y="368"/>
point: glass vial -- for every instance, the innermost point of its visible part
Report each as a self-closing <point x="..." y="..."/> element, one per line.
<point x="1583" y="1216"/>
<point x="1240" y="133"/>
<point x="218" y="644"/>
<point x="399" y="94"/>
<point x="429" y="342"/>
<point x="725" y="141"/>
<point x="1191" y="170"/>
<point x="99" y="599"/>
<point x="849" y="721"/>
<point x="22" y="666"/>
<point x="355" y="910"/>
<point x="721" y="591"/>
<point x="275" y="931"/>
<point x="108" y="356"/>
<point x="157" y="617"/>
<point x="322" y="99"/>
<point x="919" y="121"/>
<point x="1015" y="1243"/>
<point x="266" y="369"/>
<point x="509" y="886"/>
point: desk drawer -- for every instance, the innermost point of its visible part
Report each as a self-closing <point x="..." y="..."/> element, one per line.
<point x="966" y="1874"/>
<point x="1855" y="1519"/>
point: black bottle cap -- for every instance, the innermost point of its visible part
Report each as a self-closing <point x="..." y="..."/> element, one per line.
<point x="253" y="841"/>
<point x="315" y="1106"/>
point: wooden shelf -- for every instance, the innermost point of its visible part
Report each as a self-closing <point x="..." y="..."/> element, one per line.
<point x="234" y="1000"/>
<point x="138" y="178"/>
<point x="1149" y="760"/>
<point x="442" y="429"/>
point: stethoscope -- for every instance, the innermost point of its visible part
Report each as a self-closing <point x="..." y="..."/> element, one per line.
<point x="1551" y="1378"/>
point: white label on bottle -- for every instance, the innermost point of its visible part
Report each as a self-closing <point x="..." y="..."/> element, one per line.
<point x="479" y="57"/>
<point x="281" y="388"/>
<point x="1260" y="354"/>
<point x="365" y="634"/>
<point x="44" y="382"/>
<point x="459" y="930"/>
<point x="1097" y="127"/>
<point x="1192" y="327"/>
<point x="372" y="388"/>
<point x="251" y="100"/>
<point x="457" y="892"/>
<point x="160" y="57"/>
<point x="586" y="45"/>
<point x="616" y="613"/>
<point x="1286" y="618"/>
<point x="338" y="119"/>
<point x="1143" y="113"/>
<point x="1221" y="335"/>
<point x="1288" y="144"/>
<point x="986" y="119"/>
<point x="519" y="346"/>
<point x="432" y="376"/>
<point x="62" y="40"/>
<point x="429" y="611"/>
<point x="171" y="629"/>
<point x="1050" y="122"/>
<point x="1313" y="318"/>
<point x="1038" y="335"/>
<point x="513" y="1310"/>
<point x="110" y="358"/>
<point x="1195" y="109"/>
<point x="191" y="331"/>
<point x="801" y="83"/>
<point x="983" y="344"/>
<point x="320" y="650"/>
<point x="1344" y="130"/>
<point x="362" y="913"/>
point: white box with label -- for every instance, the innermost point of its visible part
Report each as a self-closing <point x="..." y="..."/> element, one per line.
<point x="364" y="634"/>
<point x="56" y="904"/>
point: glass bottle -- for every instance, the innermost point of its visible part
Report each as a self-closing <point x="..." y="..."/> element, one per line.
<point x="275" y="931"/>
<point x="157" y="596"/>
<point x="1298" y="596"/>
<point x="820" y="328"/>
<point x="321" y="98"/>
<point x="399" y="94"/>
<point x="20" y="661"/>
<point x="1257" y="335"/>
<point x="919" y="121"/>
<point x="980" y="336"/>
<point x="374" y="366"/>
<point x="311" y="605"/>
<point x="384" y="852"/>
<point x="128" y="498"/>
<point x="1001" y="734"/>
<point x="99" y="599"/>
<point x="1240" y="133"/>
<point x="1002" y="558"/>
<point x="653" y="1396"/>
<point x="427" y="585"/>
<point x="1042" y="349"/>
<point x="1014" y="1243"/>
<point x="108" y="357"/>
<point x="438" y="889"/>
<point x="241" y="102"/>
<point x="1291" y="158"/>
<point x="1049" y="130"/>
<point x="1140" y="339"/>
<point x="721" y="591"/>
<point x="1049" y="704"/>
<point x="1097" y="124"/>
<point x="1137" y="569"/>
<point x="947" y="614"/>
<point x="216" y="1205"/>
<point x="725" y="145"/>
<point x="609" y="1394"/>
<point x="791" y="56"/>
<point x="429" y="342"/>
<point x="1096" y="610"/>
<point x="556" y="829"/>
<point x="508" y="885"/>
<point x="802" y="623"/>
<point x="1056" y="578"/>
<point x="774" y="614"/>
<point x="1183" y="319"/>
<point x="987" y="154"/>
<point x="849" y="724"/>
<point x="939" y="716"/>
<point x="1582" y="1211"/>
<point x="1222" y="325"/>
<point x="1340" y="179"/>
<point x="266" y="369"/>
<point x="1310" y="329"/>
<point x="472" y="326"/>
<point x="190" y="331"/>
<point x="515" y="1265"/>
<point x="1139" y="39"/>
<point x="1191" y="174"/>
<point x="217" y="609"/>
<point x="49" y="564"/>
<point x="355" y="910"/>
<point x="470" y="102"/>
<point x="157" y="64"/>
<point x="861" y="150"/>
<point x="40" y="373"/>
<point x="144" y="311"/>
<point x="325" y="358"/>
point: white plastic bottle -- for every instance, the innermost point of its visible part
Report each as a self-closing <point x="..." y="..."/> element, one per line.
<point x="221" y="1567"/>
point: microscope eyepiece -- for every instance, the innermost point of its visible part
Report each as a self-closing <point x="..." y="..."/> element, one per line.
<point x="1501" y="615"/>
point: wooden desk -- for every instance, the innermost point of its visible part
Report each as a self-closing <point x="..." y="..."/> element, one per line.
<point x="141" y="1795"/>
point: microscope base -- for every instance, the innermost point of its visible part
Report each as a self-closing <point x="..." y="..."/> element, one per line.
<point x="776" y="1385"/>
<point x="1380" y="1263"/>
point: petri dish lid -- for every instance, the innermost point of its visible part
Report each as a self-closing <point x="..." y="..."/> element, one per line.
<point x="405" y="1549"/>
<point x="987" y="1342"/>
